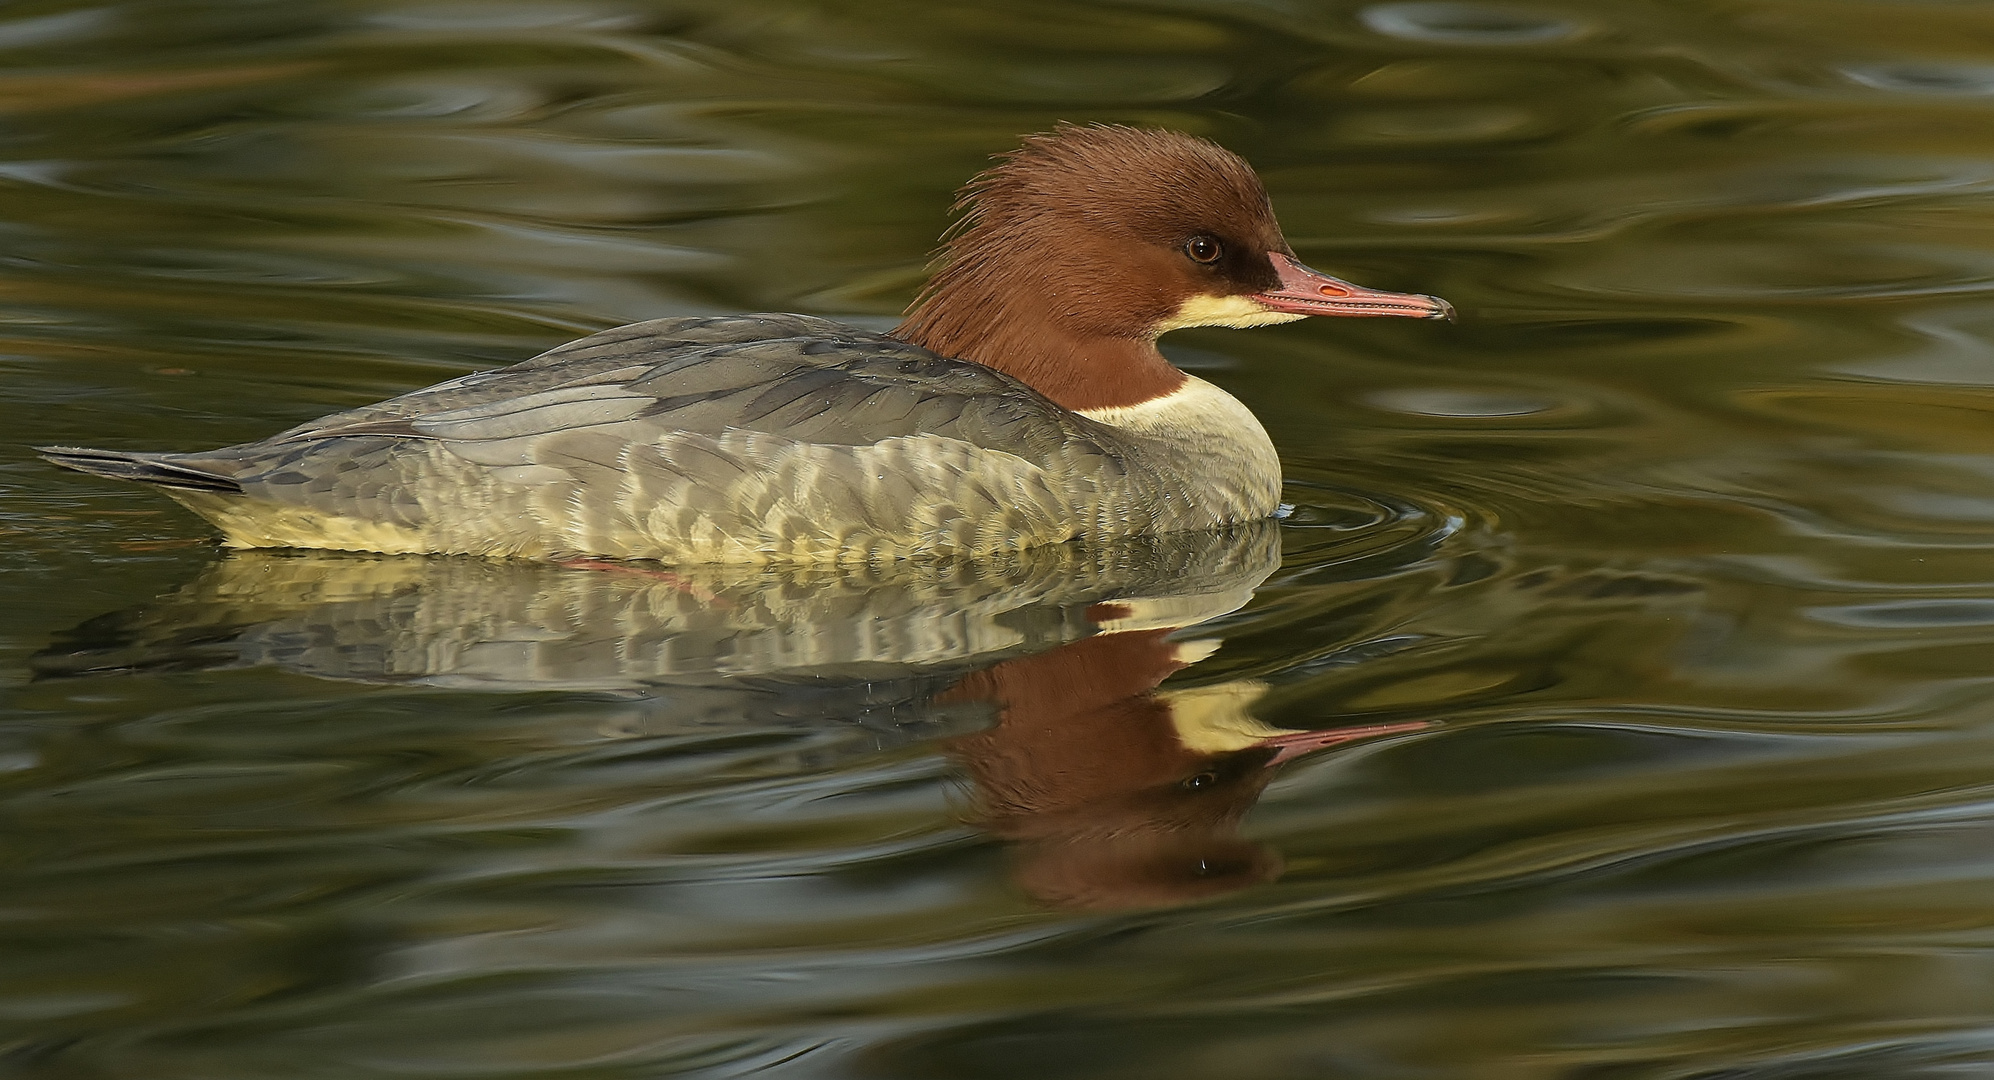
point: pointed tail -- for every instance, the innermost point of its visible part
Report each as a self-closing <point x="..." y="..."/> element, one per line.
<point x="143" y="468"/>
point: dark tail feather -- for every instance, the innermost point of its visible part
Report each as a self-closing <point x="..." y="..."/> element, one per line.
<point x="144" y="468"/>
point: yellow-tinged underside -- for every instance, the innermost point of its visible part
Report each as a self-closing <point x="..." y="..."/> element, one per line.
<point x="248" y="523"/>
<point x="796" y="504"/>
<point x="252" y="524"/>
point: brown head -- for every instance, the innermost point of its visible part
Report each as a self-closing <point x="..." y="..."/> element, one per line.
<point x="1083" y="246"/>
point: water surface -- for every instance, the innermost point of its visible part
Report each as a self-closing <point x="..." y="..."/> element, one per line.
<point x="1656" y="592"/>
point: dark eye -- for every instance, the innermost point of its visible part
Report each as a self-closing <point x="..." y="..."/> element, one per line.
<point x="1201" y="781"/>
<point x="1203" y="249"/>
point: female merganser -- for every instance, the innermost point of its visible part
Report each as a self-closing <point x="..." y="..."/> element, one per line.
<point x="1021" y="402"/>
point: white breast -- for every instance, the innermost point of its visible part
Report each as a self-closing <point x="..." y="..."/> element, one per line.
<point x="1212" y="441"/>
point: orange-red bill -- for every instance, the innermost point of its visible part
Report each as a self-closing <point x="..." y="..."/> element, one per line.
<point x="1296" y="743"/>
<point x="1307" y="292"/>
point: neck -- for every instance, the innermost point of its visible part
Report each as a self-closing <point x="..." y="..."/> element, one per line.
<point x="1076" y="371"/>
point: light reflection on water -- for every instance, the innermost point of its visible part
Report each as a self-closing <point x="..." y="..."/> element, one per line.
<point x="1663" y="575"/>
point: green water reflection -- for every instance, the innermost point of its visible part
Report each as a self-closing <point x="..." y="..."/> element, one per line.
<point x="1665" y="571"/>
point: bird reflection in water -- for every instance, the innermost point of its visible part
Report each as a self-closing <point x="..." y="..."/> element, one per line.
<point x="1115" y="793"/>
<point x="1039" y="673"/>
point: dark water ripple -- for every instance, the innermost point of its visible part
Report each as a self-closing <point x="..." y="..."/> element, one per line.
<point x="1660" y="582"/>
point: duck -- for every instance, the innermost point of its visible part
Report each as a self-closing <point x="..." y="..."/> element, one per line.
<point x="1021" y="401"/>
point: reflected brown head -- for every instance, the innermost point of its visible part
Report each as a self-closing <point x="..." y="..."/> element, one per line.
<point x="1086" y="774"/>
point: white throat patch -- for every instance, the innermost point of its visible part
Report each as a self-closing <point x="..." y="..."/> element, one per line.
<point x="1216" y="719"/>
<point x="1236" y="311"/>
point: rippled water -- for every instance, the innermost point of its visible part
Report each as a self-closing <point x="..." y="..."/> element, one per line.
<point x="1656" y="594"/>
